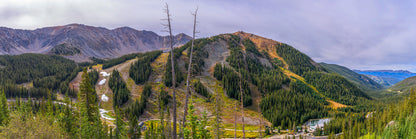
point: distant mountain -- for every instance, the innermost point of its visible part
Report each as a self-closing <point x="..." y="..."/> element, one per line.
<point x="387" y="77"/>
<point x="78" y="42"/>
<point x="360" y="80"/>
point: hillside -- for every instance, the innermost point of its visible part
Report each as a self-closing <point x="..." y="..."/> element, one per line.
<point x="270" y="68"/>
<point x="280" y="85"/>
<point x="362" y="81"/>
<point x="78" y="42"/>
<point x="404" y="86"/>
<point x="387" y="77"/>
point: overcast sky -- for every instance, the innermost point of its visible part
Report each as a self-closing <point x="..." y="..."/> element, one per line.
<point x="359" y="34"/>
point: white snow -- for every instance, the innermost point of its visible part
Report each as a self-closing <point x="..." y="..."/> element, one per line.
<point x="104" y="115"/>
<point x="102" y="82"/>
<point x="105" y="74"/>
<point x="104" y="98"/>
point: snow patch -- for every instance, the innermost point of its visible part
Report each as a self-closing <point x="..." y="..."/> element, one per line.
<point x="102" y="82"/>
<point x="104" y="98"/>
<point x="104" y="115"/>
<point x="105" y="74"/>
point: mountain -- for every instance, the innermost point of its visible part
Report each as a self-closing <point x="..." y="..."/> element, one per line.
<point x="274" y="77"/>
<point x="404" y="86"/>
<point x="78" y="42"/>
<point x="278" y="83"/>
<point x="360" y="80"/>
<point x="387" y="77"/>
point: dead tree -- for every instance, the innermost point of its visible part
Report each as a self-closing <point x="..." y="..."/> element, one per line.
<point x="169" y="29"/>
<point x="242" y="105"/>
<point x="258" y="107"/>
<point x="185" y="108"/>
<point x="235" y="120"/>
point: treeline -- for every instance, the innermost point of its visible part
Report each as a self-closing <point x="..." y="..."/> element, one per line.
<point x="138" y="107"/>
<point x="26" y="67"/>
<point x="200" y="89"/>
<point x="107" y="63"/>
<point x="120" y="92"/>
<point x="54" y="120"/>
<point x="167" y="78"/>
<point x="46" y="71"/>
<point x="14" y="91"/>
<point x="199" y="54"/>
<point x="271" y="80"/>
<point x="65" y="49"/>
<point x="140" y="71"/>
<point x="231" y="83"/>
<point x="93" y="75"/>
<point x="268" y="79"/>
<point x="336" y="87"/>
<point x="298" y="62"/>
<point x="289" y="108"/>
<point x="251" y="47"/>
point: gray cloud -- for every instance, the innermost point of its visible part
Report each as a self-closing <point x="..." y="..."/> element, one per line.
<point x="374" y="34"/>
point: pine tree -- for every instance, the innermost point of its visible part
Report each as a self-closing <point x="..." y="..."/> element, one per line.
<point x="68" y="121"/>
<point x="119" y="124"/>
<point x="90" y="123"/>
<point x="49" y="104"/>
<point x="193" y="123"/>
<point x="4" y="110"/>
<point x="133" y="127"/>
<point x="204" y="133"/>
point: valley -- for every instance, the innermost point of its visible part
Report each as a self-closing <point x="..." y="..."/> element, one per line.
<point x="140" y="69"/>
<point x="282" y="88"/>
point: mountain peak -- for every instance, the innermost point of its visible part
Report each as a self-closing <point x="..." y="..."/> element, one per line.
<point x="91" y="41"/>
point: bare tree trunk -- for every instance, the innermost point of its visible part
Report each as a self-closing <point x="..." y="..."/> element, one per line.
<point x="235" y="120"/>
<point x="258" y="106"/>
<point x="185" y="111"/>
<point x="242" y="106"/>
<point x="217" y="115"/>
<point x="173" y="71"/>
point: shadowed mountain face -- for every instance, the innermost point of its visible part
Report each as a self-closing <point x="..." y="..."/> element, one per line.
<point x="78" y="42"/>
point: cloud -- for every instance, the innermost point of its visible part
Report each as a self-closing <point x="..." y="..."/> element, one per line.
<point x="358" y="34"/>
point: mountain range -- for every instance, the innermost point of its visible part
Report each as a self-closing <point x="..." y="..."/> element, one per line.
<point x="387" y="77"/>
<point x="79" y="42"/>
<point x="276" y="80"/>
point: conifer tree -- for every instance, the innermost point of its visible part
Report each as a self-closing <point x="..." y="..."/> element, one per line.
<point x="4" y="110"/>
<point x="119" y="124"/>
<point x="90" y="123"/>
<point x="68" y="121"/>
<point x="133" y="127"/>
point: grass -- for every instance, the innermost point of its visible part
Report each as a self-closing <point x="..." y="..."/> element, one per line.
<point x="246" y="127"/>
<point x="230" y="134"/>
<point x="98" y="67"/>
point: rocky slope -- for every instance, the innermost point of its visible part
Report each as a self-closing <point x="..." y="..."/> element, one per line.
<point x="78" y="42"/>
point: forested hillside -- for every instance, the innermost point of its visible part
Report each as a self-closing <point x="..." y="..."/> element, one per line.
<point x="234" y="76"/>
<point x="404" y="86"/>
<point x="363" y="82"/>
<point x="39" y="73"/>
